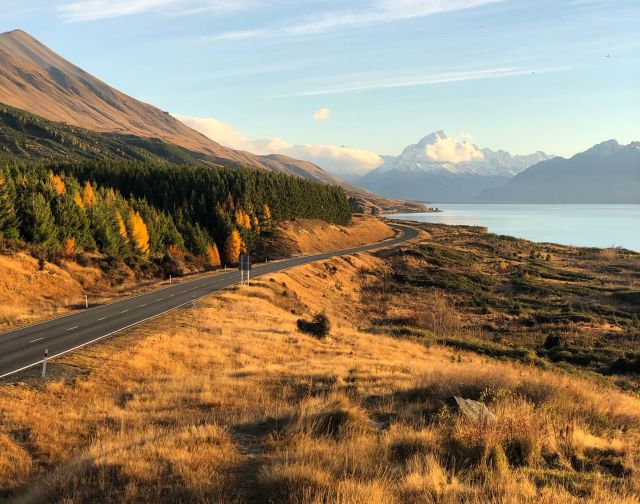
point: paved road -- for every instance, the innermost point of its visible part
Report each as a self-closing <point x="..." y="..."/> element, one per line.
<point x="24" y="347"/>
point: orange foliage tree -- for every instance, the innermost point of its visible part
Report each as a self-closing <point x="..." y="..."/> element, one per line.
<point x="233" y="247"/>
<point x="78" y="200"/>
<point x="57" y="184"/>
<point x="175" y="252"/>
<point x="122" y="228"/>
<point x="69" y="246"/>
<point x="88" y="195"/>
<point x="139" y="233"/>
<point x="213" y="256"/>
<point x="266" y="213"/>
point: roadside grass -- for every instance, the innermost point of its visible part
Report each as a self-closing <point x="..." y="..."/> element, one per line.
<point x="228" y="402"/>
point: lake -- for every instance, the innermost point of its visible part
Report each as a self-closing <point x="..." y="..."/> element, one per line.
<point x="580" y="225"/>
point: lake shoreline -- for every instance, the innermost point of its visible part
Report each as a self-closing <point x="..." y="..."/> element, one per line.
<point x="585" y="226"/>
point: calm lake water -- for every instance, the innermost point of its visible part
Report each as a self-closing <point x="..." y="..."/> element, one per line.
<point x="581" y="225"/>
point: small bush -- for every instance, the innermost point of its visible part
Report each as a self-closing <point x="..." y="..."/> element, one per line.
<point x="319" y="326"/>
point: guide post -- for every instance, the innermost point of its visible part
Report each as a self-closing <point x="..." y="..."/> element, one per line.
<point x="244" y="265"/>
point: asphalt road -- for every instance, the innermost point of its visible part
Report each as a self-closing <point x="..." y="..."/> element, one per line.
<point x="23" y="348"/>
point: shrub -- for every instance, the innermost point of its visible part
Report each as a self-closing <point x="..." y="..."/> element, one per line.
<point x="319" y="326"/>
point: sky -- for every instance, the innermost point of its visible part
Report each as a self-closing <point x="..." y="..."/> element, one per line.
<point x="341" y="82"/>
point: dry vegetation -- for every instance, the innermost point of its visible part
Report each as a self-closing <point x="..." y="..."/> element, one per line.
<point x="552" y="306"/>
<point x="200" y="407"/>
<point x="309" y="236"/>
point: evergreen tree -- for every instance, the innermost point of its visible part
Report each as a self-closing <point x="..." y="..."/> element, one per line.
<point x="40" y="222"/>
<point x="8" y="219"/>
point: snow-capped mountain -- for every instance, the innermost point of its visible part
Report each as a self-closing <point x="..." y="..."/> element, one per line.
<point x="442" y="169"/>
<point x="606" y="173"/>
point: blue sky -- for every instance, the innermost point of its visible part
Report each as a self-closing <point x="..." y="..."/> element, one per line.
<point x="522" y="75"/>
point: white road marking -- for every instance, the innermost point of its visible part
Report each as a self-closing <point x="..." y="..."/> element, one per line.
<point x="143" y="305"/>
<point x="101" y="318"/>
<point x="124" y="311"/>
<point x="72" y="328"/>
<point x="37" y="339"/>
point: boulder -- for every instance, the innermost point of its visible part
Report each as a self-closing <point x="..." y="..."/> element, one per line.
<point x="474" y="411"/>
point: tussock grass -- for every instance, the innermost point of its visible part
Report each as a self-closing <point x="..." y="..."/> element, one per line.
<point x="228" y="402"/>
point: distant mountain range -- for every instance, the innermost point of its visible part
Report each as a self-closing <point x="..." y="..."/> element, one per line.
<point x="440" y="169"/>
<point x="606" y="173"/>
<point x="35" y="79"/>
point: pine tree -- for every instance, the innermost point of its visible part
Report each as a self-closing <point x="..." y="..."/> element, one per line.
<point x="139" y="233"/>
<point x="233" y="247"/>
<point x="71" y="221"/>
<point x="213" y="256"/>
<point x="42" y="226"/>
<point x="8" y="219"/>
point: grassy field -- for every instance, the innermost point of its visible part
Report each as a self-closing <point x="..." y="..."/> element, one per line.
<point x="573" y="308"/>
<point x="229" y="402"/>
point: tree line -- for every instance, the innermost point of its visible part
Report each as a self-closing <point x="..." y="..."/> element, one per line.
<point x="125" y="209"/>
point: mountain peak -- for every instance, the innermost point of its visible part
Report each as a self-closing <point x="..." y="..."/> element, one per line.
<point x="604" y="148"/>
<point x="433" y="138"/>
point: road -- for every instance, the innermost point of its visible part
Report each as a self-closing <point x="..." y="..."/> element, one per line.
<point x="23" y="348"/>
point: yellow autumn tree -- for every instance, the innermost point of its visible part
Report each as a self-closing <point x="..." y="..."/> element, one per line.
<point x="139" y="233"/>
<point x="78" y="200"/>
<point x="266" y="213"/>
<point x="57" y="184"/>
<point x="122" y="228"/>
<point x="233" y="247"/>
<point x="110" y="197"/>
<point x="69" y="246"/>
<point x="88" y="195"/>
<point x="213" y="256"/>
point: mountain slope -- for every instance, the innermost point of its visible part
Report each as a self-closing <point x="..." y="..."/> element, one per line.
<point x="606" y="173"/>
<point x="36" y="79"/>
<point x="440" y="169"/>
<point x="26" y="136"/>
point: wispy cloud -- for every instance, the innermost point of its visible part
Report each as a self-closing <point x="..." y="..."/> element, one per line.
<point x="376" y="12"/>
<point x="91" y="10"/>
<point x="425" y="80"/>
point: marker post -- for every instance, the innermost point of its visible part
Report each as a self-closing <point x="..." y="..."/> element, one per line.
<point x="44" y="362"/>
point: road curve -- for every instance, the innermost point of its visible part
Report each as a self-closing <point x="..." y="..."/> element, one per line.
<point x="23" y="348"/>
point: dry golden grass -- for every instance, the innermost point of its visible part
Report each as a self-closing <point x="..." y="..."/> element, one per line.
<point x="228" y="402"/>
<point x="313" y="236"/>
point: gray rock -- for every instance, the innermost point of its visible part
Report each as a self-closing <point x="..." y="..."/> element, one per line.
<point x="475" y="411"/>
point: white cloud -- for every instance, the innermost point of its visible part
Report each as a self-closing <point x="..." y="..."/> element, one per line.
<point x="450" y="150"/>
<point x="214" y="129"/>
<point x="91" y="10"/>
<point x="377" y="12"/>
<point x="322" y="115"/>
<point x="337" y="160"/>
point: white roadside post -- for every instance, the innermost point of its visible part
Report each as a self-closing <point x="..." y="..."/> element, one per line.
<point x="169" y="279"/>
<point x="86" y="301"/>
<point x="44" y="362"/>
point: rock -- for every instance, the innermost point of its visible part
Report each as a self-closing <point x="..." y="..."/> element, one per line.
<point x="475" y="411"/>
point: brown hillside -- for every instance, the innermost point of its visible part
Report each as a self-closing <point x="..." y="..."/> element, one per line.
<point x="36" y="79"/>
